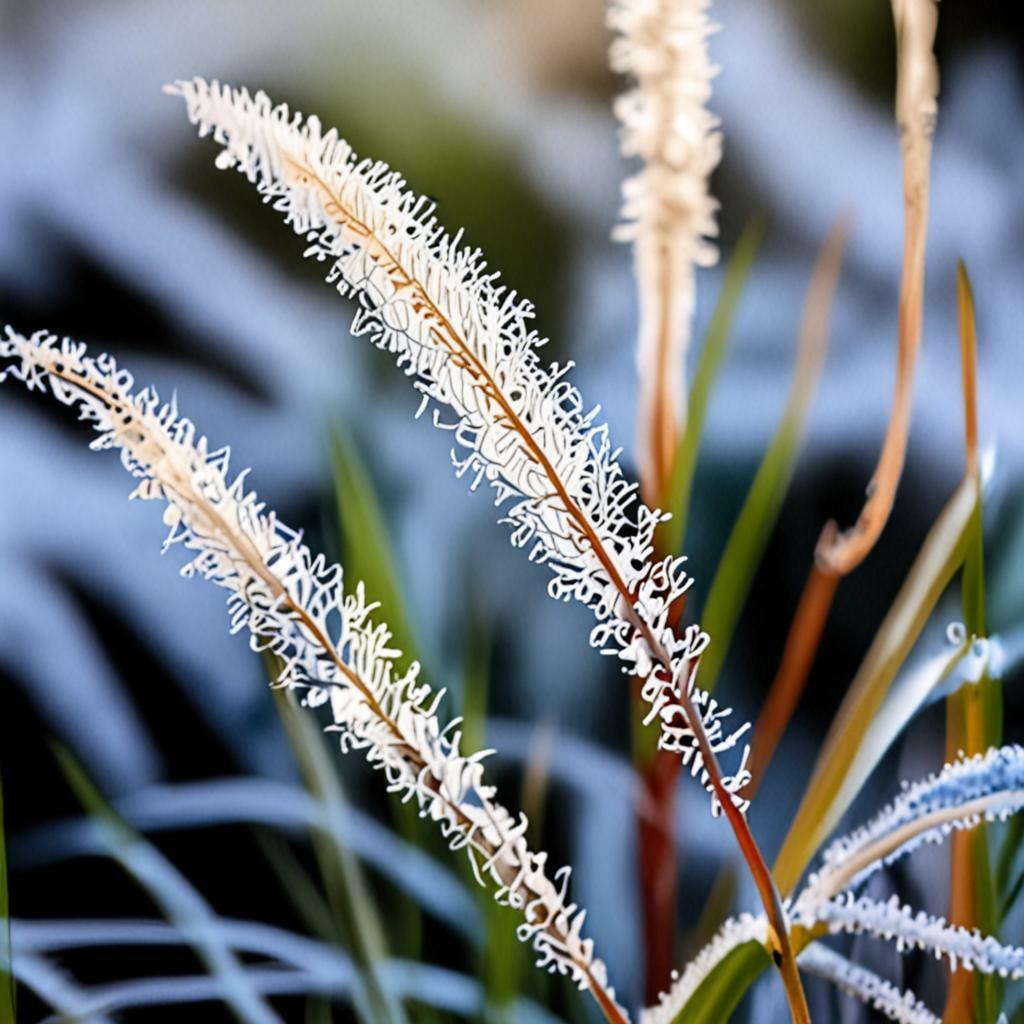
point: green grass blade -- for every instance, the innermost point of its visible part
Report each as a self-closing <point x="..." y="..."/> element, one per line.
<point x="974" y="713"/>
<point x="760" y="512"/>
<point x="831" y="789"/>
<point x="7" y="1003"/>
<point x="344" y="882"/>
<point x="182" y="905"/>
<point x="369" y="556"/>
<point x="366" y="546"/>
<point x="722" y="990"/>
<point x="712" y="353"/>
<point x="503" y="962"/>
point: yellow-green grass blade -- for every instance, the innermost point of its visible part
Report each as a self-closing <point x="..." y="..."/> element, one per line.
<point x="712" y="353"/>
<point x="367" y="550"/>
<point x="832" y="789"/>
<point x="974" y="712"/>
<point x="368" y="555"/>
<point x="503" y="963"/>
<point x="725" y="986"/>
<point x="753" y="527"/>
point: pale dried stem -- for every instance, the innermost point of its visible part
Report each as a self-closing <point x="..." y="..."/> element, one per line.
<point x="916" y="92"/>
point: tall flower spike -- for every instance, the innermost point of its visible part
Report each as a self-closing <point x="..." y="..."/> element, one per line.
<point x="517" y="424"/>
<point x="668" y="211"/>
<point x="295" y="605"/>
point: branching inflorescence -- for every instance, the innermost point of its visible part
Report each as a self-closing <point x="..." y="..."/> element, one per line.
<point x="519" y="425"/>
<point x="295" y="605"/>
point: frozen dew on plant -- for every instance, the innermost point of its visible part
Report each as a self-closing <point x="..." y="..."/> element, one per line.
<point x="898" y="1005"/>
<point x="985" y="788"/>
<point x="517" y="424"/>
<point x="296" y="605"/>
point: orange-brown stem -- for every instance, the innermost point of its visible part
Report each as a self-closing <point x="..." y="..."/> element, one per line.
<point x="802" y="643"/>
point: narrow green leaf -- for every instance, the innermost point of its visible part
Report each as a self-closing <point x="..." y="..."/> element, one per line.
<point x="368" y="555"/>
<point x="367" y="548"/>
<point x="831" y="790"/>
<point x="304" y="893"/>
<point x="725" y="986"/>
<point x="7" y="1001"/>
<point x="760" y="512"/>
<point x="347" y="890"/>
<point x="709" y="362"/>
<point x="975" y="712"/>
<point x="1008" y="851"/>
<point x="503" y="962"/>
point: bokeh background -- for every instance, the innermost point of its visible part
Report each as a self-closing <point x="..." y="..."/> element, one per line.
<point x="115" y="228"/>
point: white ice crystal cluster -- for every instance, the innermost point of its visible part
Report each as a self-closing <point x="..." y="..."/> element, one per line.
<point x="984" y="788"/>
<point x="518" y="424"/>
<point x="296" y="605"/>
<point x="901" y="1006"/>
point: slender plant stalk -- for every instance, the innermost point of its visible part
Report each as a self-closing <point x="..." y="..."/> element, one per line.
<point x="916" y="91"/>
<point x="658" y="770"/>
<point x="798" y="654"/>
<point x="838" y="554"/>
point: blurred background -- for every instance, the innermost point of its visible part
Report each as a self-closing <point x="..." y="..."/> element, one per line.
<point x="115" y="228"/>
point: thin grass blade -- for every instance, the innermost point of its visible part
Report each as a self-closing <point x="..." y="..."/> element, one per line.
<point x="712" y="353"/>
<point x="369" y="556"/>
<point x="752" y="530"/>
<point x="973" y="713"/>
<point x="831" y="790"/>
<point x="343" y="880"/>
<point x="365" y="542"/>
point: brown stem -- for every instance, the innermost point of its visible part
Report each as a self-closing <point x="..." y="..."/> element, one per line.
<point x="801" y="646"/>
<point x="916" y="89"/>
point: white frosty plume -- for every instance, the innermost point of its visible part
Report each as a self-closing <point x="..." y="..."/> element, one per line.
<point x="517" y="424"/>
<point x="295" y="605"/>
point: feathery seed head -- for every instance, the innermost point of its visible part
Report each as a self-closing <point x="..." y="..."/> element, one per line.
<point x="466" y="343"/>
<point x="294" y="604"/>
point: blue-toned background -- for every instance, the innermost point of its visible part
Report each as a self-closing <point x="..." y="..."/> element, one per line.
<point x="115" y="228"/>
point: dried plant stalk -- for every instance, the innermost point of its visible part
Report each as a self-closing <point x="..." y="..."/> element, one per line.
<point x="917" y="89"/>
<point x="295" y="605"/>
